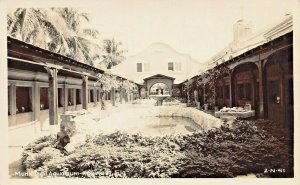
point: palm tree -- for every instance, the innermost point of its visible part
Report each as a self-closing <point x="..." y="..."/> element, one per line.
<point x="113" y="55"/>
<point x="35" y="26"/>
<point x="56" y="29"/>
<point x="80" y="44"/>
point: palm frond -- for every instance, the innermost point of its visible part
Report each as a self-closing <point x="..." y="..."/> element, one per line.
<point x="91" y="32"/>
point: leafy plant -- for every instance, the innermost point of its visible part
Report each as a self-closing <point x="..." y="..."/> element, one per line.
<point x="239" y="149"/>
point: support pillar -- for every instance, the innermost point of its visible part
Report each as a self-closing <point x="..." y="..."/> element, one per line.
<point x="12" y="102"/>
<point x="85" y="92"/>
<point x="53" y="98"/>
<point x="113" y="96"/>
<point x="65" y="94"/>
<point x="74" y="97"/>
<point x="261" y="89"/>
<point x="126" y="97"/>
<point x="121" y="95"/>
<point x="36" y="103"/>
<point x="283" y="98"/>
<point x="99" y="95"/>
<point x="95" y="97"/>
<point x="230" y="89"/>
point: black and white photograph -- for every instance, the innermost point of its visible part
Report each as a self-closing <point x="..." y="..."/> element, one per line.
<point x="193" y="89"/>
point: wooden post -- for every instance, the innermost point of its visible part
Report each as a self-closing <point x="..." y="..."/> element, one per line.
<point x="283" y="97"/>
<point x="126" y="97"/>
<point x="74" y="97"/>
<point x="121" y="95"/>
<point x="261" y="89"/>
<point x="112" y="96"/>
<point x="95" y="96"/>
<point x="12" y="102"/>
<point x="85" y="92"/>
<point x="65" y="92"/>
<point x="36" y="104"/>
<point x="230" y="89"/>
<point x="36" y="100"/>
<point x="53" y="98"/>
<point x="100" y="94"/>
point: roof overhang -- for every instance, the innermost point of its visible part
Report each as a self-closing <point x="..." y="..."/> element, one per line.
<point x="158" y="76"/>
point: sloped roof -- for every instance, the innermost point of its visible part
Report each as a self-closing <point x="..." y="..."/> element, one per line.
<point x="40" y="53"/>
<point x="22" y="50"/>
<point x="235" y="49"/>
<point x="158" y="76"/>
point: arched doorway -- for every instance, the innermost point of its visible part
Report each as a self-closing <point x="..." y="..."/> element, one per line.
<point x="245" y="85"/>
<point x="159" y="89"/>
<point x="279" y="102"/>
<point x="165" y="84"/>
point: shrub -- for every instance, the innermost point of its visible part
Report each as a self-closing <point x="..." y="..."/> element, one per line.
<point x="228" y="151"/>
<point x="32" y="150"/>
<point x="37" y="160"/>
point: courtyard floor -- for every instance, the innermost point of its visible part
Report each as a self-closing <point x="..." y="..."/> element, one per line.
<point x="94" y="115"/>
<point x="140" y="122"/>
<point x="125" y="117"/>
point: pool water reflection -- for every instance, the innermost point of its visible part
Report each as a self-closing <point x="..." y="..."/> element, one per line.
<point x="170" y="125"/>
<point x="152" y="125"/>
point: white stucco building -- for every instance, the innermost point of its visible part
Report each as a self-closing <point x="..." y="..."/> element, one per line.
<point x="244" y="39"/>
<point x="159" y="58"/>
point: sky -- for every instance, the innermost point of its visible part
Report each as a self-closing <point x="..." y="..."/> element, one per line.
<point x="199" y="28"/>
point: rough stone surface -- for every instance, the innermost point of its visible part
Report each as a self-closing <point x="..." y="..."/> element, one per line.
<point x="68" y="123"/>
<point x="201" y="118"/>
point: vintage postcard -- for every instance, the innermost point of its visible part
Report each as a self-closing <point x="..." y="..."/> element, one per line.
<point x="162" y="89"/>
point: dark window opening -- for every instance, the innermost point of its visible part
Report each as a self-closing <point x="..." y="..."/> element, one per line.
<point x="44" y="101"/>
<point x="98" y="95"/>
<point x="248" y="91"/>
<point x="170" y="66"/>
<point x="92" y="95"/>
<point x="78" y="96"/>
<point x="23" y="99"/>
<point x="108" y="96"/>
<point x="70" y="97"/>
<point x="60" y="97"/>
<point x="240" y="91"/>
<point x="220" y="92"/>
<point x="139" y="67"/>
<point x="274" y="92"/>
<point x="227" y="92"/>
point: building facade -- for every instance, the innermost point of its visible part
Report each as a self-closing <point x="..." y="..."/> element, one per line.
<point x="259" y="73"/>
<point x="159" y="58"/>
<point x="42" y="85"/>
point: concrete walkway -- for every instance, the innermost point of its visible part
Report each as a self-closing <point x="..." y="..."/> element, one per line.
<point x="18" y="142"/>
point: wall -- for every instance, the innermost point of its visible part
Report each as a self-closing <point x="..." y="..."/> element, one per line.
<point x="204" y="120"/>
<point x="36" y="81"/>
<point x="158" y="55"/>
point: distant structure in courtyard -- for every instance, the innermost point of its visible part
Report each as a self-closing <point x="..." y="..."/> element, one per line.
<point x="159" y="58"/>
